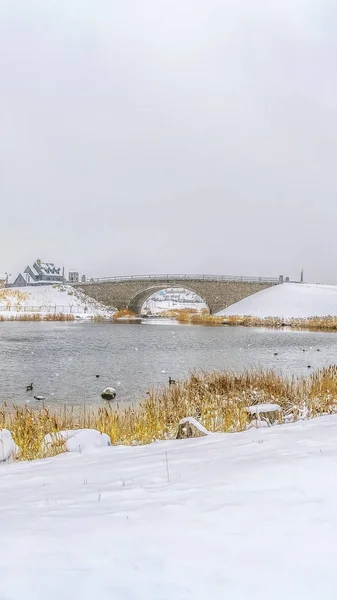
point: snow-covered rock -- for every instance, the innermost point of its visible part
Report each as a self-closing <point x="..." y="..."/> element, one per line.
<point x="77" y="440"/>
<point x="298" y="300"/>
<point x="264" y="413"/>
<point x="263" y="408"/>
<point x="8" y="448"/>
<point x="190" y="427"/>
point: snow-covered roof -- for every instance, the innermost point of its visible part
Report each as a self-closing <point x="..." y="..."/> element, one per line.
<point x="49" y="268"/>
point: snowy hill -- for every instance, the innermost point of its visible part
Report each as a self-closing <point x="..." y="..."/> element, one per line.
<point x="49" y="299"/>
<point x="288" y="300"/>
<point x="248" y="516"/>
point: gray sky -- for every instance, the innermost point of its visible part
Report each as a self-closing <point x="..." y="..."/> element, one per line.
<point x="144" y="136"/>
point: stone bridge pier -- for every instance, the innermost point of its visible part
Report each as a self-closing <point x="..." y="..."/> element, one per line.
<point x="132" y="293"/>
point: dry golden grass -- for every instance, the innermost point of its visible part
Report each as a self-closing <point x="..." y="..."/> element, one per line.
<point x="180" y="312"/>
<point x="124" y="314"/>
<point x="6" y="295"/>
<point x="248" y="321"/>
<point x="199" y="319"/>
<point x="218" y="400"/>
<point x="38" y="317"/>
<point x="328" y="323"/>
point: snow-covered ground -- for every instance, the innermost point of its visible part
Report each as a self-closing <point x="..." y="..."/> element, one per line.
<point x="248" y="516"/>
<point x="288" y="300"/>
<point x="49" y="299"/>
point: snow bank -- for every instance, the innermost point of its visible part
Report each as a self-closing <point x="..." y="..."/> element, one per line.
<point x="248" y="516"/>
<point x="8" y="448"/>
<point x="78" y="440"/>
<point x="49" y="299"/>
<point x="288" y="300"/>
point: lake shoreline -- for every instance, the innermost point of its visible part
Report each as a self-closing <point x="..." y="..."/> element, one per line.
<point x="222" y="401"/>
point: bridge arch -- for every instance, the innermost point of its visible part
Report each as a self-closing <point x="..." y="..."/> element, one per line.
<point x="138" y="301"/>
<point x="218" y="292"/>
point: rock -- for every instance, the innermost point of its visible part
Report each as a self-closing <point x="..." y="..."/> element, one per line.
<point x="269" y="413"/>
<point x="190" y="428"/>
<point x="109" y="393"/>
<point x="8" y="448"/>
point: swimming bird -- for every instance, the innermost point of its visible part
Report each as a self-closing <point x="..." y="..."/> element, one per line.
<point x="109" y="394"/>
<point x="29" y="388"/>
<point x="275" y="353"/>
<point x="171" y="381"/>
<point x="97" y="376"/>
<point x="39" y="398"/>
<point x="309" y="366"/>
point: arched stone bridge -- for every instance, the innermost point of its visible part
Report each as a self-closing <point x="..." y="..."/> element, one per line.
<point x="217" y="291"/>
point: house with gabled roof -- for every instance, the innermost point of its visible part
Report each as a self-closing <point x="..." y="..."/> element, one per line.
<point x="40" y="273"/>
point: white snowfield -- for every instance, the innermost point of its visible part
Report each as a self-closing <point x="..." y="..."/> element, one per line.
<point x="49" y="299"/>
<point x="299" y="300"/>
<point x="248" y="516"/>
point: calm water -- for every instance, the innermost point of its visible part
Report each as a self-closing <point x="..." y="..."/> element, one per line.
<point x="62" y="359"/>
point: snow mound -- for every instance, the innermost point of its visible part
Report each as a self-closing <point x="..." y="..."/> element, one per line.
<point x="8" y="448"/>
<point x="298" y="300"/>
<point x="77" y="440"/>
<point x="49" y="300"/>
<point x="263" y="408"/>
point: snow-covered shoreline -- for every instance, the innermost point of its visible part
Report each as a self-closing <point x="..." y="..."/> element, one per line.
<point x="250" y="516"/>
<point x="49" y="300"/>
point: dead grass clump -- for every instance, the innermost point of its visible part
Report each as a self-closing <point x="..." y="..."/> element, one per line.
<point x="198" y="318"/>
<point x="327" y="323"/>
<point x="249" y="321"/>
<point x="124" y="314"/>
<point x="58" y="317"/>
<point x="182" y="313"/>
<point x="38" y="317"/>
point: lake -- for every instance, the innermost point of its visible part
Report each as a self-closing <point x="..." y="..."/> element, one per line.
<point x="63" y="359"/>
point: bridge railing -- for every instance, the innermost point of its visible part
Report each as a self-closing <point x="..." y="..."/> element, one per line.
<point x="180" y="277"/>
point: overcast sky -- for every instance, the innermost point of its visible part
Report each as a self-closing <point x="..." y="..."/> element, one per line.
<point x="141" y="136"/>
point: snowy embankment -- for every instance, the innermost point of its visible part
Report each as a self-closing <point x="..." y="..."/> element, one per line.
<point x="248" y="516"/>
<point x="289" y="300"/>
<point x="49" y="300"/>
